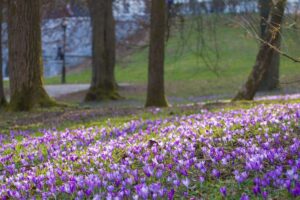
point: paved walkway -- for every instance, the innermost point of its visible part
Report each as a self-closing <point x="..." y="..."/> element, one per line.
<point x="59" y="90"/>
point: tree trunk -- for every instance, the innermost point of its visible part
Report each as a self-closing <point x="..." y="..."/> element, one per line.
<point x="265" y="54"/>
<point x="270" y="80"/>
<point x="2" y="95"/>
<point x="103" y="84"/>
<point x="25" y="56"/>
<point x="265" y="7"/>
<point x="156" y="92"/>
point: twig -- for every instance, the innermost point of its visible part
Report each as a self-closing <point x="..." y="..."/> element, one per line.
<point x="291" y="82"/>
<point x="255" y="35"/>
<point x="296" y="60"/>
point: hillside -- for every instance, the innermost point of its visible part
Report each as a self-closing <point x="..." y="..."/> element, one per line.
<point x="188" y="75"/>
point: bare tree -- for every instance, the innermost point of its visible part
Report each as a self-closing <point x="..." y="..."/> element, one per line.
<point x="265" y="54"/>
<point x="156" y="90"/>
<point x="25" y="56"/>
<point x="103" y="85"/>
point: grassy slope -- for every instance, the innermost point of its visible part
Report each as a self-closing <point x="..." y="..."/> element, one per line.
<point x="211" y="187"/>
<point x="186" y="73"/>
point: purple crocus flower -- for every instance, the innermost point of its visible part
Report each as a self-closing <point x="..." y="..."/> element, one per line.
<point x="88" y="192"/>
<point x="223" y="191"/>
<point x="265" y="195"/>
<point x="240" y="177"/>
<point x="155" y="187"/>
<point x="110" y="188"/>
<point x="148" y="170"/>
<point x="171" y="194"/>
<point x="256" y="190"/>
<point x="201" y="179"/>
<point x="296" y="190"/>
<point x="184" y="172"/>
<point x="159" y="173"/>
<point x="298" y="114"/>
<point x="142" y="190"/>
<point x="244" y="197"/>
<point x="186" y="182"/>
<point x="216" y="173"/>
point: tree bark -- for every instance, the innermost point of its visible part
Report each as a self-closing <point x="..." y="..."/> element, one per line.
<point x="270" y="80"/>
<point x="103" y="84"/>
<point x="156" y="91"/>
<point x="265" y="54"/>
<point x="25" y="56"/>
<point x="2" y="95"/>
<point x="265" y="7"/>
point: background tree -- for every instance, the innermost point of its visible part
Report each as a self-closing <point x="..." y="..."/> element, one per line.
<point x="103" y="84"/>
<point x="2" y="96"/>
<point x="25" y="56"/>
<point x="270" y="80"/>
<point x="156" y="90"/>
<point x="265" y="54"/>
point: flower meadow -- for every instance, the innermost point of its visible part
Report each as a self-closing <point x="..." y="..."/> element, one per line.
<point x="236" y="154"/>
<point x="279" y="97"/>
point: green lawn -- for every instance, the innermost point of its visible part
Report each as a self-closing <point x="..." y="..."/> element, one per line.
<point x="186" y="74"/>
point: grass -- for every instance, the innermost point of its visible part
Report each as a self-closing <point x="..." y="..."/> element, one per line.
<point x="73" y="117"/>
<point x="187" y="75"/>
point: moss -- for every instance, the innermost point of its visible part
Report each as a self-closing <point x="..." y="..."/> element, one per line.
<point x="101" y="94"/>
<point x="29" y="98"/>
<point x="3" y="103"/>
<point x="157" y="102"/>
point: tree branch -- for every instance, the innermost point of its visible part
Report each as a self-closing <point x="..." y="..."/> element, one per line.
<point x="296" y="60"/>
